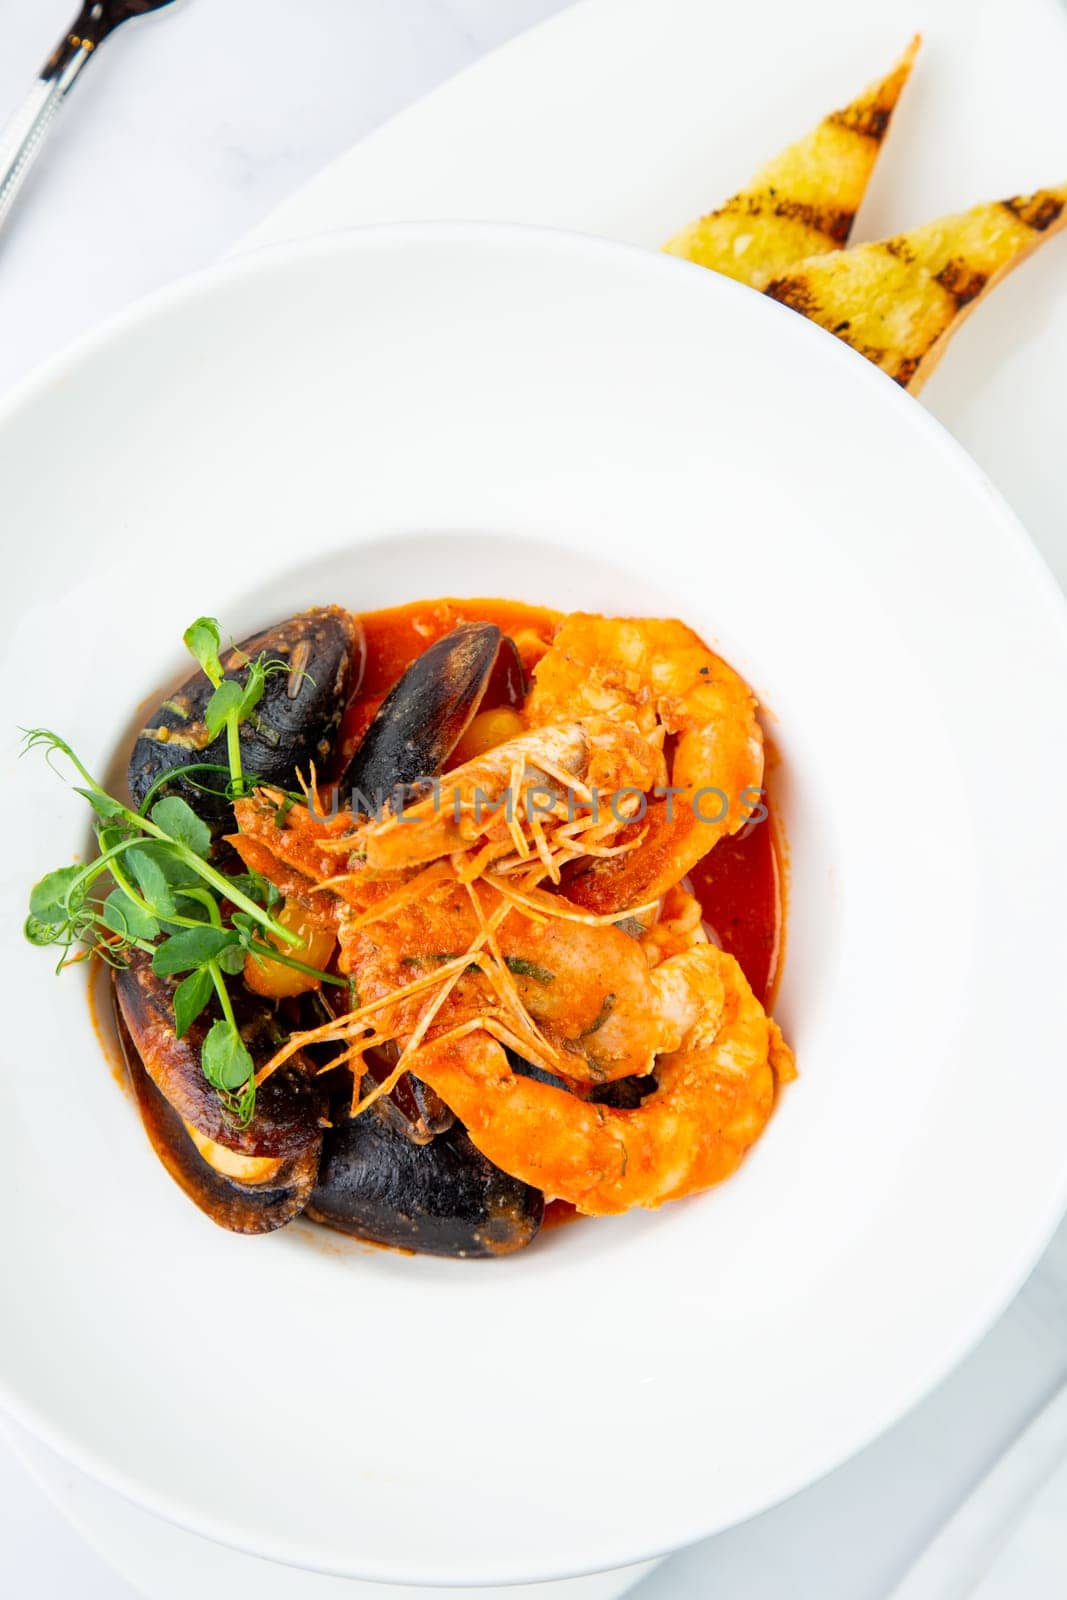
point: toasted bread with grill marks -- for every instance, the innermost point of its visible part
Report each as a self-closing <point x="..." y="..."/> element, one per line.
<point x="900" y="300"/>
<point x="805" y="200"/>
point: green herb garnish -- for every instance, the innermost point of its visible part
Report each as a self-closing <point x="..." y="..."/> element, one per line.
<point x="232" y="702"/>
<point x="152" y="888"/>
<point x="528" y="969"/>
<point x="606" y="1008"/>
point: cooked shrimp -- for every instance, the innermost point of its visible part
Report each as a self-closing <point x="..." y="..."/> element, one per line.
<point x="311" y="859"/>
<point x="514" y="798"/>
<point x="586" y="986"/>
<point x="715" y="1092"/>
<point x="600" y="1011"/>
<point x="453" y="973"/>
<point x="658" y="678"/>
<point x="680" y="925"/>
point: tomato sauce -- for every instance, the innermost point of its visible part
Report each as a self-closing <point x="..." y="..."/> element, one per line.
<point x="738" y="885"/>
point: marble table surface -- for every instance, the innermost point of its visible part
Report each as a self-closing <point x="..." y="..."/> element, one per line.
<point x="185" y="135"/>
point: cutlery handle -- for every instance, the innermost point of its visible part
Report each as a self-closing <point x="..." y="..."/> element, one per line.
<point x="23" y="137"/>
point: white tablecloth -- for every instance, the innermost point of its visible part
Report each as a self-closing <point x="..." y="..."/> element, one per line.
<point x="179" y="142"/>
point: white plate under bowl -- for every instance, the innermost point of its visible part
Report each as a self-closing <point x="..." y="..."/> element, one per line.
<point x="433" y="410"/>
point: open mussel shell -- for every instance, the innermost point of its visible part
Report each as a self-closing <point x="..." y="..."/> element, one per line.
<point x="288" y="1105"/>
<point x="295" y="723"/>
<point x="240" y="1208"/>
<point x="443" y="1198"/>
<point x="258" y="1177"/>
<point x="426" y="713"/>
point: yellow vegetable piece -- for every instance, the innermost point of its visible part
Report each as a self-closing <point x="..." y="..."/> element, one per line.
<point x="487" y="730"/>
<point x="805" y="200"/>
<point x="273" y="979"/>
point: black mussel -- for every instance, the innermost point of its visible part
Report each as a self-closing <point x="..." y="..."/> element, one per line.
<point x="415" y="1110"/>
<point x="288" y="1105"/>
<point x="413" y="1107"/>
<point x="252" y="1179"/>
<point x="295" y="723"/>
<point x="240" y="1207"/>
<point x="426" y="713"/>
<point x="442" y="1198"/>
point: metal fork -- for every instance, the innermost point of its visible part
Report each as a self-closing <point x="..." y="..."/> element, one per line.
<point x="24" y="135"/>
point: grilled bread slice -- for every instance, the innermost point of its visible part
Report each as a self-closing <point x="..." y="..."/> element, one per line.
<point x="804" y="201"/>
<point x="900" y="300"/>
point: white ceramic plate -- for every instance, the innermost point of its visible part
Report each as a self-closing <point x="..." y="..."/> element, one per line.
<point x="430" y="410"/>
<point x="161" y="1561"/>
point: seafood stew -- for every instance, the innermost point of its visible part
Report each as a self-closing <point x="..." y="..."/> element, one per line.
<point x="422" y="920"/>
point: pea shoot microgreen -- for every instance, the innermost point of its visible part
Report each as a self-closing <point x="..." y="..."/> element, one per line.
<point x="233" y="702"/>
<point x="153" y="888"/>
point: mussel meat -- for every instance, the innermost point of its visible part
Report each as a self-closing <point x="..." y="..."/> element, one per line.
<point x="443" y="1198"/>
<point x="250" y="1180"/>
<point x="426" y="713"/>
<point x="295" y="723"/>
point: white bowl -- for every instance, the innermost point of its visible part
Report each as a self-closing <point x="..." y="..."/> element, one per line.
<point x="445" y="410"/>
